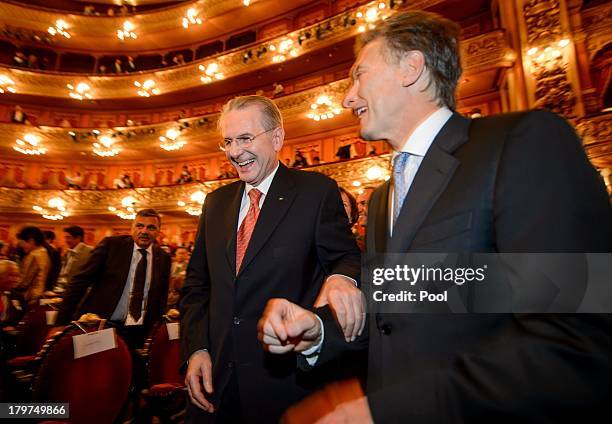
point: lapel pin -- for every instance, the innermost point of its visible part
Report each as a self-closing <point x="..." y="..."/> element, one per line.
<point x="281" y="198"/>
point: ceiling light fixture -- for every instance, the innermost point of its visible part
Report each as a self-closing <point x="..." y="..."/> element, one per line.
<point x="127" y="31"/>
<point x="30" y="145"/>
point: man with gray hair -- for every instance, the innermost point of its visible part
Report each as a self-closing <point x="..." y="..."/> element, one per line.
<point x="277" y="232"/>
<point x="517" y="183"/>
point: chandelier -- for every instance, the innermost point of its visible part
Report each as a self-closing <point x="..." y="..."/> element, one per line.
<point x="55" y="210"/>
<point x="323" y="108"/>
<point x="285" y="47"/>
<point x="30" y="145"/>
<point x="127" y="31"/>
<point x="192" y="18"/>
<point x="127" y="209"/>
<point x="79" y="92"/>
<point x="211" y="71"/>
<point x="105" y="147"/>
<point x="170" y="141"/>
<point x="59" y="28"/>
<point x="6" y="84"/>
<point x="147" y="88"/>
<point x="194" y="206"/>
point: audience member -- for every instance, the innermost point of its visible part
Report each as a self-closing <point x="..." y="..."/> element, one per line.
<point x="76" y="181"/>
<point x="177" y="275"/>
<point x="19" y="115"/>
<point x="76" y="255"/>
<point x="33" y="61"/>
<point x="118" y="66"/>
<point x="300" y="160"/>
<point x="130" y="65"/>
<point x="36" y="264"/>
<point x="20" y="59"/>
<point x="178" y="59"/>
<point x="185" y="176"/>
<point x="277" y="89"/>
<point x="11" y="307"/>
<point x="55" y="258"/>
<point x="102" y="69"/>
<point x="127" y="181"/>
<point x="124" y="280"/>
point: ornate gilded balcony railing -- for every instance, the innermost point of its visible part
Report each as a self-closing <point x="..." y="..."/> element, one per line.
<point x="596" y="135"/>
<point x="484" y="51"/>
<point x="350" y="174"/>
<point x="201" y="130"/>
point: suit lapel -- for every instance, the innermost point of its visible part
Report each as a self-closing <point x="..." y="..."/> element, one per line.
<point x="436" y="170"/>
<point x="230" y="226"/>
<point x="276" y="204"/>
<point x="378" y="211"/>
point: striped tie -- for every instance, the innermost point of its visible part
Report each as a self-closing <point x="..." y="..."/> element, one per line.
<point x="400" y="187"/>
<point x="246" y="228"/>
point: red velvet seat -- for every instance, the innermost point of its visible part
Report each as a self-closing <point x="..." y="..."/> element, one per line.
<point x="95" y="386"/>
<point x="165" y="393"/>
<point x="32" y="331"/>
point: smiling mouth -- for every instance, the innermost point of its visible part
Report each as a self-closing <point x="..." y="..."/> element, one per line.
<point x="360" y="111"/>
<point x="245" y="163"/>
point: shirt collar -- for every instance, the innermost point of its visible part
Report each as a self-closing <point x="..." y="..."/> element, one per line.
<point x="148" y="249"/>
<point x="78" y="247"/>
<point x="264" y="186"/>
<point x="423" y="136"/>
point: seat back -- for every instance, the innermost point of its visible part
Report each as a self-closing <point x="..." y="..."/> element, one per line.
<point x="163" y="357"/>
<point x="95" y="386"/>
<point x="32" y="330"/>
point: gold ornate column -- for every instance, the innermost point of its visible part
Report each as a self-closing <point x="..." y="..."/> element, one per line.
<point x="517" y="100"/>
<point x="549" y="57"/>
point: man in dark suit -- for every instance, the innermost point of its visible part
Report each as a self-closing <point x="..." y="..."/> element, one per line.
<point x="127" y="277"/>
<point x="277" y="232"/>
<point x="511" y="183"/>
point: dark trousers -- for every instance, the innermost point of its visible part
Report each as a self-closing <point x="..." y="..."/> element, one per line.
<point x="229" y="410"/>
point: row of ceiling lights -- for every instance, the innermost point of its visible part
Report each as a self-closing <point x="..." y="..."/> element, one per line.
<point x="280" y="51"/>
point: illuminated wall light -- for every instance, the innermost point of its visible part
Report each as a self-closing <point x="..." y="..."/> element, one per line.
<point x="147" y="88"/>
<point x="55" y="210"/>
<point x="356" y="184"/>
<point x="371" y="14"/>
<point x="106" y="147"/>
<point x="127" y="31"/>
<point x="211" y="71"/>
<point x="29" y="145"/>
<point x="563" y="43"/>
<point x="246" y="2"/>
<point x="381" y="5"/>
<point x="59" y="28"/>
<point x="323" y="108"/>
<point x="361" y="28"/>
<point x="191" y="18"/>
<point x="375" y="173"/>
<point x="6" y="84"/>
<point x="80" y="92"/>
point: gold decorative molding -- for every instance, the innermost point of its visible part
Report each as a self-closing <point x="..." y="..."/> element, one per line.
<point x="596" y="135"/>
<point x="96" y="202"/>
<point x="548" y="67"/>
<point x="480" y="52"/>
<point x="596" y="24"/>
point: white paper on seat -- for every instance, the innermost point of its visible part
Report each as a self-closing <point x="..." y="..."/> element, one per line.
<point x="94" y="342"/>
<point x="173" y="330"/>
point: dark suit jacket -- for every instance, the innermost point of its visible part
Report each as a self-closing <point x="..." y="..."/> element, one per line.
<point x="105" y="273"/>
<point x="300" y="238"/>
<point x="530" y="190"/>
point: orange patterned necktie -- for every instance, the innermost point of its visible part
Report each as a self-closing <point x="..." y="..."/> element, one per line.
<point x="246" y="228"/>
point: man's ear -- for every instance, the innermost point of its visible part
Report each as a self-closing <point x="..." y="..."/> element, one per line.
<point x="412" y="65"/>
<point x="278" y="139"/>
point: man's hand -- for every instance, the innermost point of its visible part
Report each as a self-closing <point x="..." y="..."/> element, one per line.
<point x="347" y="303"/>
<point x="355" y="411"/>
<point x="285" y="326"/>
<point x="199" y="374"/>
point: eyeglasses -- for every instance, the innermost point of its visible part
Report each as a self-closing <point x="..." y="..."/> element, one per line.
<point x="242" y="141"/>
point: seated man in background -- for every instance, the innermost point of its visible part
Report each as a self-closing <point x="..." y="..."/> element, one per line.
<point x="127" y="277"/>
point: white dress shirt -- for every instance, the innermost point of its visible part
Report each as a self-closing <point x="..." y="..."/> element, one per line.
<point x="417" y="144"/>
<point x="121" y="312"/>
<point x="263" y="187"/>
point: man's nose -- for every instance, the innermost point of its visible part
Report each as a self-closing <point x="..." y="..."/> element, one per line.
<point x="349" y="98"/>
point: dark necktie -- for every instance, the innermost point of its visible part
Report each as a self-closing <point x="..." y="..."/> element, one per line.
<point x="138" y="287"/>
